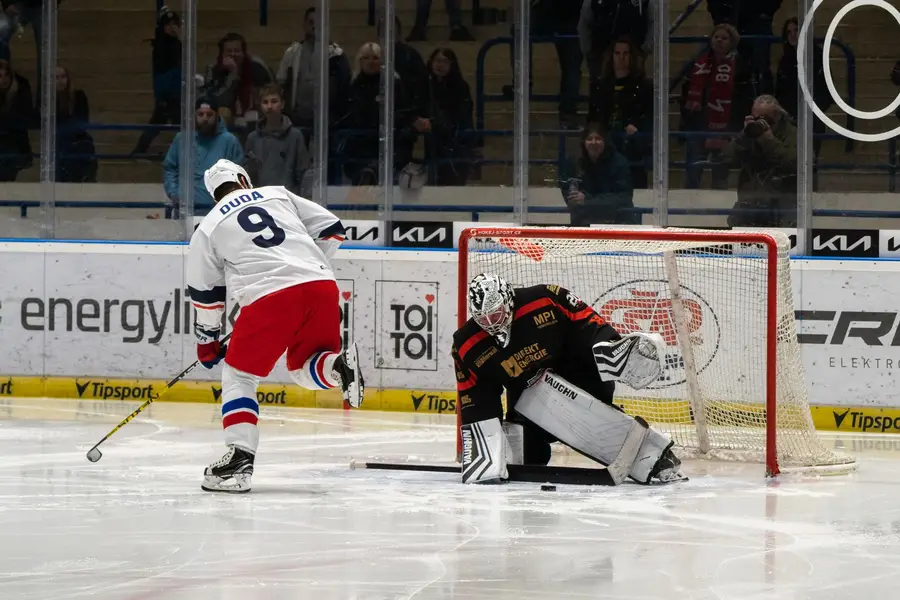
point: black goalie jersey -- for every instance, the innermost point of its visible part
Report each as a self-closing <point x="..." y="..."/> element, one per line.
<point x="551" y="329"/>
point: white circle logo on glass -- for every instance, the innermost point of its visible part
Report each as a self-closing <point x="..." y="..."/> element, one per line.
<point x="829" y="35"/>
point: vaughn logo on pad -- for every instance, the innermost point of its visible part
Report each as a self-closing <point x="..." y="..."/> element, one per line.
<point x="560" y="386"/>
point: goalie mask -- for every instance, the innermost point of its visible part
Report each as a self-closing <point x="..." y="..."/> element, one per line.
<point x="491" y="306"/>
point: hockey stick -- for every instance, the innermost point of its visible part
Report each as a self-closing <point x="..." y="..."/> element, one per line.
<point x="94" y="453"/>
<point x="517" y="473"/>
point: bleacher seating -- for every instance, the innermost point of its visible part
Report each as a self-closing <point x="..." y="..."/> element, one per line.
<point x="104" y="44"/>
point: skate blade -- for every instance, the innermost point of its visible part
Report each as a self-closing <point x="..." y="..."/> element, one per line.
<point x="669" y="481"/>
<point x="355" y="391"/>
<point x="238" y="484"/>
<point x="353" y="396"/>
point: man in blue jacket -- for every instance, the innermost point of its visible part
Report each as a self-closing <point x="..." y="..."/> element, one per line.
<point x="212" y="142"/>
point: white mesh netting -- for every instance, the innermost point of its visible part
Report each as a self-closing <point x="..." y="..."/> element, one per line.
<point x="712" y="395"/>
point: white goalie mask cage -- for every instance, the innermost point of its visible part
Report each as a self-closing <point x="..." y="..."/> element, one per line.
<point x="491" y="305"/>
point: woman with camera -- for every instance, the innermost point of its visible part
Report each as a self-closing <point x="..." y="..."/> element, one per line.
<point x="597" y="185"/>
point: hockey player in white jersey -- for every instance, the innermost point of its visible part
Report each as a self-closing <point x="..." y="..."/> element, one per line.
<point x="270" y="250"/>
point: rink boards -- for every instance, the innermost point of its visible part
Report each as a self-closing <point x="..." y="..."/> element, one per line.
<point x="111" y="321"/>
<point x="826" y="418"/>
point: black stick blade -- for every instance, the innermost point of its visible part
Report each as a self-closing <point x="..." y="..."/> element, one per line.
<point x="94" y="454"/>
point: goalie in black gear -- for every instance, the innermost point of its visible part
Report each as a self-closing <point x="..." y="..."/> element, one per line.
<point x="559" y="362"/>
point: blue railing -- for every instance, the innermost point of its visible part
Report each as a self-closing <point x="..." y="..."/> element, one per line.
<point x="890" y="167"/>
<point x="473" y="210"/>
<point x="481" y="96"/>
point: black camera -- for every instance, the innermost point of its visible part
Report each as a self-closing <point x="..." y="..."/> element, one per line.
<point x="755" y="127"/>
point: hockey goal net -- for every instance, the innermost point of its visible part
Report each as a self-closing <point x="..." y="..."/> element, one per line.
<point x="733" y="385"/>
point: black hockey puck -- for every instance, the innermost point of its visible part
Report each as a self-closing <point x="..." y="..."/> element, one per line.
<point x="548" y="488"/>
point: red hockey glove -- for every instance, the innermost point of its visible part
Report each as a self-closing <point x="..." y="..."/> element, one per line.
<point x="210" y="354"/>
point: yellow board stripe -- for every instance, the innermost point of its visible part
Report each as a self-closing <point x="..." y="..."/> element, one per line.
<point x="100" y="388"/>
<point x="867" y="419"/>
<point x="825" y="418"/>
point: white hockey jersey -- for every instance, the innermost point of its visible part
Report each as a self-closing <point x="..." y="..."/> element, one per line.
<point x="255" y="242"/>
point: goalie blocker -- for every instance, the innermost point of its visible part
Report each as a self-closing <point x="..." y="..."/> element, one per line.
<point x="626" y="445"/>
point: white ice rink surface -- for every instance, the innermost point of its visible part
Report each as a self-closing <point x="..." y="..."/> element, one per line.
<point x="136" y="525"/>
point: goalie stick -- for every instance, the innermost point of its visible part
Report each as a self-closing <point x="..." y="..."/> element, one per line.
<point x="94" y="453"/>
<point x="520" y="473"/>
<point x="517" y="473"/>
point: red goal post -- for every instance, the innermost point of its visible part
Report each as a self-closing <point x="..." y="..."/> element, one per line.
<point x="730" y="391"/>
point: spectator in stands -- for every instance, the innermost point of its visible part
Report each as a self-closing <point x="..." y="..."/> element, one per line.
<point x="76" y="160"/>
<point x="622" y="102"/>
<point x="597" y="185"/>
<point x="15" y="15"/>
<point x="212" y="141"/>
<point x="458" y="32"/>
<point x="276" y="151"/>
<point x="16" y="113"/>
<point x="449" y="126"/>
<point x="718" y="91"/>
<point x="298" y="78"/>
<point x="786" y="87"/>
<point x="558" y="20"/>
<point x="751" y="18"/>
<point x="9" y="25"/>
<point x="234" y="81"/>
<point x="766" y="154"/>
<point x="410" y="67"/>
<point x="360" y="142"/>
<point x="603" y="21"/>
<point x="166" y="77"/>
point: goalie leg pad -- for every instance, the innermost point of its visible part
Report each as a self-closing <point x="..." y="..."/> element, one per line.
<point x="653" y="447"/>
<point x="609" y="436"/>
<point x="515" y="437"/>
<point x="485" y="452"/>
<point x="636" y="360"/>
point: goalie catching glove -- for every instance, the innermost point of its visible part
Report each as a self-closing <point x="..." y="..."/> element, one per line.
<point x="636" y="359"/>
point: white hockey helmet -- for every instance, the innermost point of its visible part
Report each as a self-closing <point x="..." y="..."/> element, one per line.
<point x="491" y="305"/>
<point x="224" y="171"/>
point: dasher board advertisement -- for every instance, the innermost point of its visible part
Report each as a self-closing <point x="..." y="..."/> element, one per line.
<point x="92" y="311"/>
